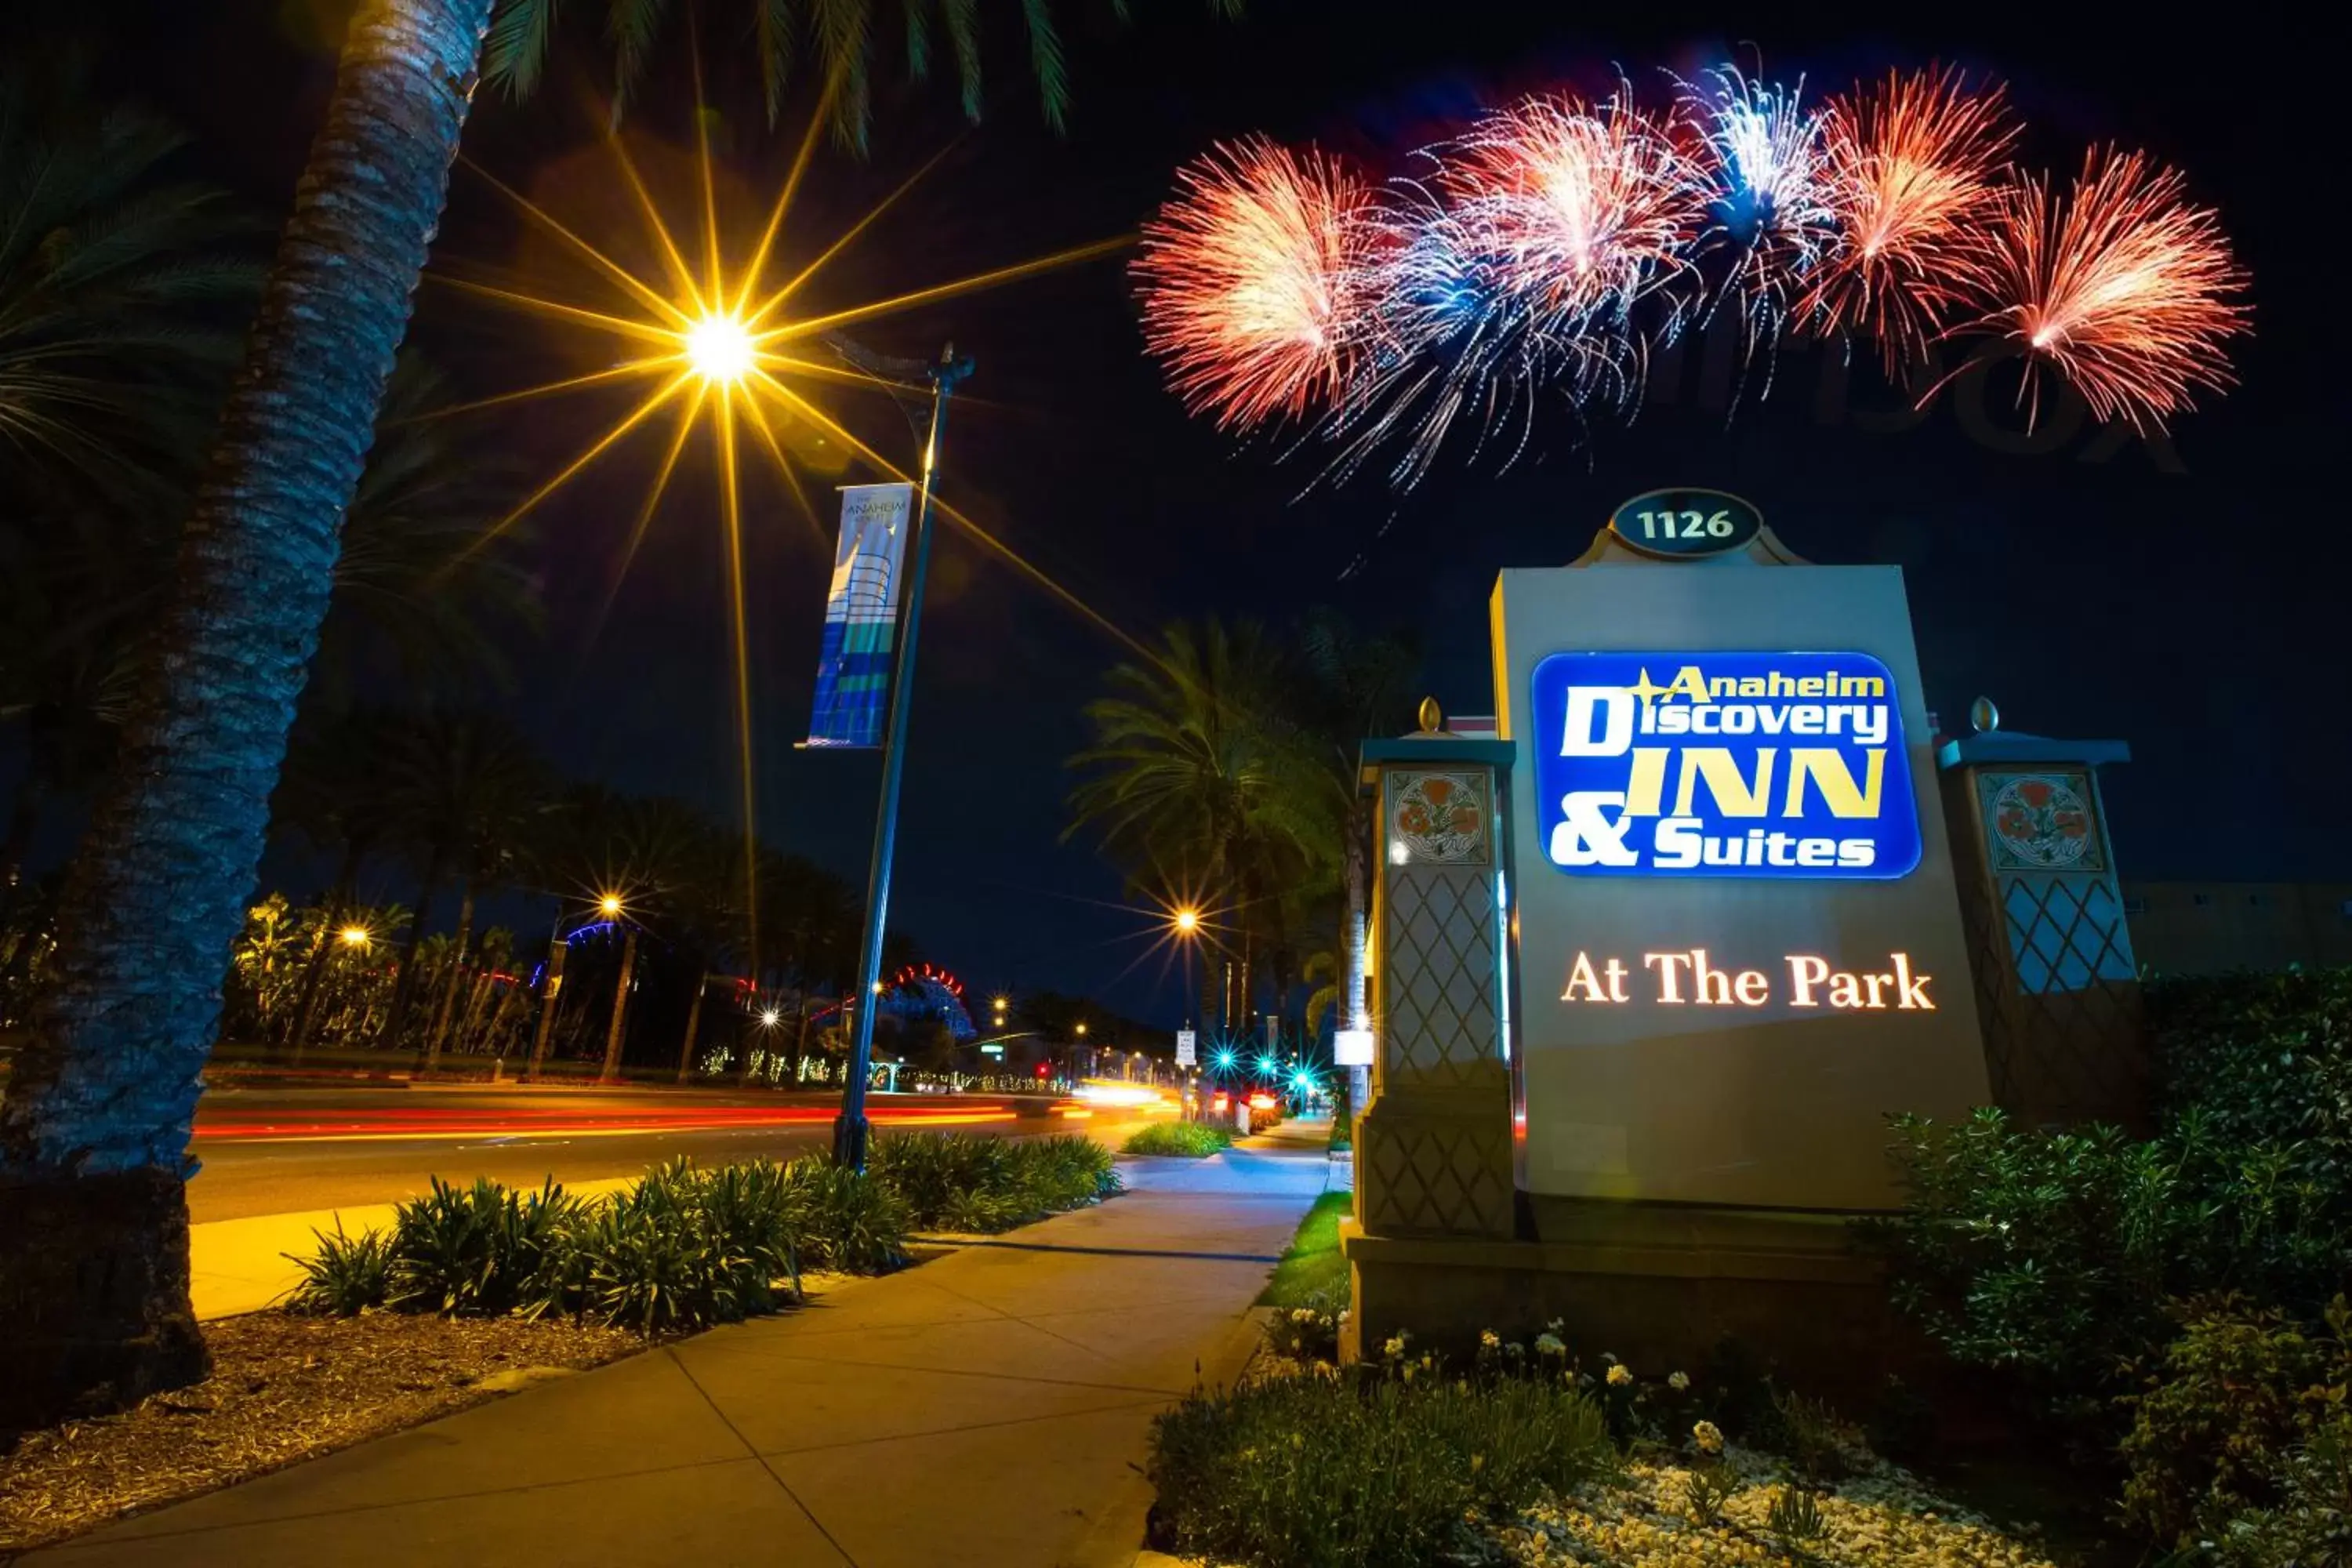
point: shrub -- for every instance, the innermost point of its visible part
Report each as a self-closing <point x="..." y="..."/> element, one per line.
<point x="2052" y="1256"/>
<point x="2238" y="1392"/>
<point x="959" y="1180"/>
<point x="1337" y="1471"/>
<point x="680" y="1250"/>
<point x="483" y="1251"/>
<point x="2311" y="1524"/>
<point x="1183" y="1140"/>
<point x="347" y="1276"/>
<point x="844" y="1221"/>
<point x="2264" y="1059"/>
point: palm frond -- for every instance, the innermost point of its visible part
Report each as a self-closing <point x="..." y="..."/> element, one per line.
<point x="514" y="52"/>
<point x="1047" y="61"/>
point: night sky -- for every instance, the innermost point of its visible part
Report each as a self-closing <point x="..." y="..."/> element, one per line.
<point x="2187" y="600"/>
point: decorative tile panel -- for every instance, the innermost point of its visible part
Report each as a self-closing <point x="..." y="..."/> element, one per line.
<point x="1442" y="818"/>
<point x="2041" y="821"/>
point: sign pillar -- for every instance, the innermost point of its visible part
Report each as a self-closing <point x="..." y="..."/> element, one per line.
<point x="1433" y="1146"/>
<point x="2057" y="985"/>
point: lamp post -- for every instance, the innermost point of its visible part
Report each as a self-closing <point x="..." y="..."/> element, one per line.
<point x="851" y="1128"/>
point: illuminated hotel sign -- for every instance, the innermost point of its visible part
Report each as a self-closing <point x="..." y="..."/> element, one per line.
<point x="1722" y="764"/>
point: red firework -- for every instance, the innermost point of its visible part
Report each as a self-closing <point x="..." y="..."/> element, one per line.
<point x="2122" y="288"/>
<point x="1252" y="280"/>
<point x="1915" y="164"/>
<point x="1585" y="209"/>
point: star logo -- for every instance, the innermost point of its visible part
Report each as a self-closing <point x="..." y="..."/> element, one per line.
<point x="1646" y="692"/>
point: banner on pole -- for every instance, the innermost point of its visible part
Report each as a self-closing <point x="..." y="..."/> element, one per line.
<point x="861" y="612"/>
<point x="1187" y="1048"/>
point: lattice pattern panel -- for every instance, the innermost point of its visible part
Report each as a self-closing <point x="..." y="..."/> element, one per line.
<point x="1438" y="977"/>
<point x="1435" y="1176"/>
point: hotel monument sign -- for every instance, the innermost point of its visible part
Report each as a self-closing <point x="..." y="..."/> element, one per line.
<point x="1738" y="940"/>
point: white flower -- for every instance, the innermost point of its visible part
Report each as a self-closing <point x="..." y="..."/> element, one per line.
<point x="1552" y="1344"/>
<point x="1678" y="1381"/>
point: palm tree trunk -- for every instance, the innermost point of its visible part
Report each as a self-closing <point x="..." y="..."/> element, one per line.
<point x="693" y="1025"/>
<point x="340" y="894"/>
<point x="93" y="1139"/>
<point x="550" y="993"/>
<point x="403" y="984"/>
<point x="611" y="1073"/>
<point x="455" y="980"/>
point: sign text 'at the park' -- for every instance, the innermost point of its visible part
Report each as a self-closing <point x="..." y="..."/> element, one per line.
<point x="1691" y="977"/>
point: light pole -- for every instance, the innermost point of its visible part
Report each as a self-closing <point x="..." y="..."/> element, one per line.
<point x="850" y="1128"/>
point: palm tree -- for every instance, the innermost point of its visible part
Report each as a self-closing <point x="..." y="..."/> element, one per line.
<point x="423" y="586"/>
<point x="1361" y="688"/>
<point x="94" y="1133"/>
<point x="119" y="289"/>
<point x="458" y="790"/>
<point x="333" y="792"/>
<point x="1198" y="775"/>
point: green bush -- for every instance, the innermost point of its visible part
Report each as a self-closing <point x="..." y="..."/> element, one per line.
<point x="345" y="1277"/>
<point x="1343" y="1471"/>
<point x="1184" y="1139"/>
<point x="2239" y="1391"/>
<point x="682" y="1250"/>
<point x="2051" y="1256"/>
<point x="963" y="1181"/>
<point x="479" y="1251"/>
<point x="844" y="1221"/>
<point x="2310" y="1526"/>
<point x="2264" y="1059"/>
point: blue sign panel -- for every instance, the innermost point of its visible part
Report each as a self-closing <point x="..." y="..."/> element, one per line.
<point x="1723" y="765"/>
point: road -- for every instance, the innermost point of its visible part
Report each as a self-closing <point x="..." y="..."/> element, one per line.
<point x="281" y="1151"/>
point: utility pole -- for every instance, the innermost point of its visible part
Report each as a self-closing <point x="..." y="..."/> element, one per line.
<point x="851" y="1128"/>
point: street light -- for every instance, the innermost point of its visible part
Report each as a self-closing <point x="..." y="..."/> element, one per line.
<point x="719" y="347"/>
<point x="850" y="1128"/>
<point x="356" y="936"/>
<point x="609" y="906"/>
<point x="1187" y="920"/>
<point x="770" y="1016"/>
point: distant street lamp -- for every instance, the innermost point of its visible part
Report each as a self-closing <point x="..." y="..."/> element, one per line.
<point x="356" y="936"/>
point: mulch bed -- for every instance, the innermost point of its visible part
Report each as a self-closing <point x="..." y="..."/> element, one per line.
<point x="282" y="1389"/>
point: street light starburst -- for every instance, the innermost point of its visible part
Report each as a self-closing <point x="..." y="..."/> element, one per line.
<point x="719" y="349"/>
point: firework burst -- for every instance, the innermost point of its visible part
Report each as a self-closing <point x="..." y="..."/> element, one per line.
<point x="1513" y="268"/>
<point x="1913" y="169"/>
<point x="1252" y="278"/>
<point x="1585" y="210"/>
<point x="2122" y="288"/>
<point x="1763" y="174"/>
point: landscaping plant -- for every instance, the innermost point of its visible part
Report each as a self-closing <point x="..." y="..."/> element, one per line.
<point x="1183" y="1140"/>
<point x="347" y="1275"/>
<point x="962" y="1181"/>
<point x="480" y="1251"/>
<point x="1363" y="1470"/>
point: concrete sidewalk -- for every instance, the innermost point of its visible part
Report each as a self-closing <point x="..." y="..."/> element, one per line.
<point x="990" y="1408"/>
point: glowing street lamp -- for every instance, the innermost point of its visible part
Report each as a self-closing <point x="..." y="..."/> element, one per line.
<point x="356" y="936"/>
<point x="609" y="906"/>
<point x="770" y="1016"/>
<point x="718" y="347"/>
<point x="1187" y="920"/>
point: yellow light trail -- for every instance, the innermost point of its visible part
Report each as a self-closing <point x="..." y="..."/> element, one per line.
<point x="711" y="339"/>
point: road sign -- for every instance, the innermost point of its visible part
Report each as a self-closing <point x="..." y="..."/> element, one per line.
<point x="1187" y="1052"/>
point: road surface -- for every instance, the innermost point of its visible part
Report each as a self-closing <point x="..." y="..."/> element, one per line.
<point x="281" y="1151"/>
